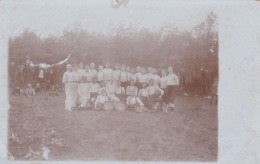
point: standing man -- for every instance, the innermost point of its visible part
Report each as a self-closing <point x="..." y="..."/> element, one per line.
<point x="67" y="80"/>
<point x="41" y="76"/>
<point x="75" y="82"/>
<point x="100" y="74"/>
<point x="142" y="78"/>
<point x="81" y="70"/>
<point x="172" y="82"/>
<point x="123" y="77"/>
<point x="93" y="71"/>
<point x="156" y="77"/>
<point x="116" y="74"/>
<point x="149" y="75"/>
<point x="50" y="78"/>
<point x="108" y="73"/>
<point x="138" y="74"/>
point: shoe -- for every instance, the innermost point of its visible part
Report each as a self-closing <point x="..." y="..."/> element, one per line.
<point x="139" y="111"/>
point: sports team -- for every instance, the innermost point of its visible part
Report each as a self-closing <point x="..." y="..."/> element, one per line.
<point x="135" y="88"/>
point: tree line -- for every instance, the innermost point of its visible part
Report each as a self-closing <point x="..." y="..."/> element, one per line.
<point x="168" y="46"/>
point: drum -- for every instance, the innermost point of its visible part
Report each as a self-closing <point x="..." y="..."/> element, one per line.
<point x="120" y="106"/>
<point x="108" y="106"/>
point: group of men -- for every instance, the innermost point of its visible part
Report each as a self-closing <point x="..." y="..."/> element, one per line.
<point x="134" y="86"/>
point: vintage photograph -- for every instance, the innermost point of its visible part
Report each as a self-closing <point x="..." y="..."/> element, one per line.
<point x="113" y="80"/>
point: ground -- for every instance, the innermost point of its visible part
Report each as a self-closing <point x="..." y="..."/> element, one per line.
<point x="41" y="129"/>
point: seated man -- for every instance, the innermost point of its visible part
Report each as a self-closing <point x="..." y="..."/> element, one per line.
<point x="38" y="88"/>
<point x="94" y="90"/>
<point x="120" y="91"/>
<point x="16" y="91"/>
<point x="143" y="94"/>
<point x="110" y="88"/>
<point x="100" y="100"/>
<point x="132" y="88"/>
<point x="154" y="95"/>
<point x="53" y="91"/>
<point x="29" y="91"/>
<point x="134" y="103"/>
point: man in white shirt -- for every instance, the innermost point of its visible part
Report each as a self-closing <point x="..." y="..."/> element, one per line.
<point x="128" y="73"/>
<point x="163" y="80"/>
<point x="172" y="82"/>
<point x="81" y="70"/>
<point x="108" y="73"/>
<point x="156" y="77"/>
<point x="87" y="74"/>
<point x="111" y="88"/>
<point x="116" y="73"/>
<point x="133" y="75"/>
<point x="75" y="81"/>
<point x="100" y="74"/>
<point x="93" y="71"/>
<point x="142" y="77"/>
<point x="134" y="103"/>
<point x="67" y="80"/>
<point x="149" y="75"/>
<point x="154" y="95"/>
<point x="123" y="77"/>
<point x="138" y="74"/>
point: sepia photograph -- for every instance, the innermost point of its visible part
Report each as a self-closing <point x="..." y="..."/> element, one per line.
<point x="113" y="80"/>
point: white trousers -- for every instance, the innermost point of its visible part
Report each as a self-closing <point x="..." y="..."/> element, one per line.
<point x="71" y="91"/>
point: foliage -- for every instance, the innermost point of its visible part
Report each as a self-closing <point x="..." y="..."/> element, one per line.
<point x="190" y="50"/>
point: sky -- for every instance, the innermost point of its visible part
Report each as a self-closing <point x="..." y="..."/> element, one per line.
<point x="51" y="17"/>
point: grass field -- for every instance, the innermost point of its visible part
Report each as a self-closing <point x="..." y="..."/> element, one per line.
<point x="41" y="129"/>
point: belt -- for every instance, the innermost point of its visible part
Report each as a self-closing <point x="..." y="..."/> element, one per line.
<point x="85" y="82"/>
<point x="73" y="82"/>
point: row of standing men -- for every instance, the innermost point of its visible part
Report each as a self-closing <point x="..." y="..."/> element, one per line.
<point x="144" y="86"/>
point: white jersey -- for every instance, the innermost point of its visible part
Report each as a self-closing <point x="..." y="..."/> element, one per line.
<point x="128" y="76"/>
<point x="172" y="79"/>
<point x="143" y="92"/>
<point x="133" y="77"/>
<point x="116" y="75"/>
<point x="123" y="76"/>
<point x="138" y="74"/>
<point x="152" y="90"/>
<point x="88" y="75"/>
<point x="156" y="78"/>
<point x="100" y="75"/>
<point x="108" y="74"/>
<point x="75" y="77"/>
<point x="93" y="73"/>
<point x="94" y="88"/>
<point x="130" y="89"/>
<point x="120" y="90"/>
<point x="163" y="82"/>
<point x="149" y="76"/>
<point x="101" y="99"/>
<point x="67" y="77"/>
<point x="111" y="89"/>
<point x="81" y="72"/>
<point x="143" y="78"/>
